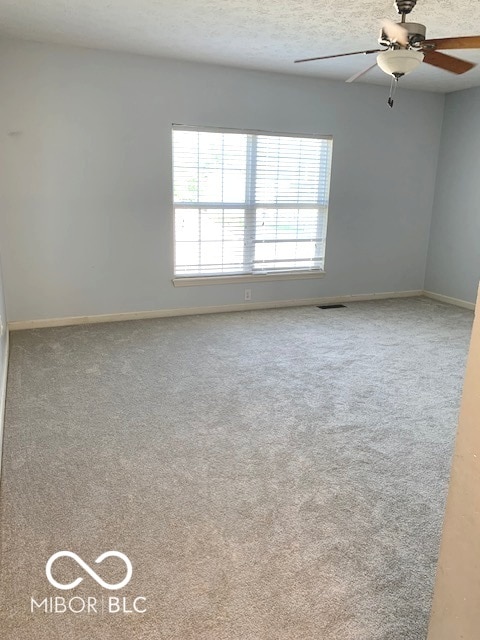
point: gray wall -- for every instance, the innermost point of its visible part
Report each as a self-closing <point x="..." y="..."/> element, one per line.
<point x="3" y="333"/>
<point x="453" y="267"/>
<point x="86" y="224"/>
<point x="3" y="361"/>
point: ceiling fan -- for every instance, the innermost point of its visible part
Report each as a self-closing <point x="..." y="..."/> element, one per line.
<point x="406" y="47"/>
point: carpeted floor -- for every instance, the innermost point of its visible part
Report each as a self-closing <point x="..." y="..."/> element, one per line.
<point x="271" y="475"/>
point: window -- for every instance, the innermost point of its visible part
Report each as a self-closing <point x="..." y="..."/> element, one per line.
<point x="249" y="203"/>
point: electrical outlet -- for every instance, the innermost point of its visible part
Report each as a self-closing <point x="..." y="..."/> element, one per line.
<point x="248" y="294"/>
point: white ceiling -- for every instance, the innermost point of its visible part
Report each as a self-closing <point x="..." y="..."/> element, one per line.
<point x="255" y="34"/>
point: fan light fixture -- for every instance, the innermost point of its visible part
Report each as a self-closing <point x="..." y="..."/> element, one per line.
<point x="399" y="62"/>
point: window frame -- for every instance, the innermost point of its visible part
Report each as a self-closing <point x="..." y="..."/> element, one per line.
<point x="209" y="279"/>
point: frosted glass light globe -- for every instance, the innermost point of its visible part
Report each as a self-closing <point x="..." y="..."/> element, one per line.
<point x="399" y="62"/>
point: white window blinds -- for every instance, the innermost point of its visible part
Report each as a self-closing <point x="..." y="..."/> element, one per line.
<point x="249" y="203"/>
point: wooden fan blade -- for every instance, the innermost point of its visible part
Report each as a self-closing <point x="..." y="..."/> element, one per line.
<point x="466" y="42"/>
<point x="341" y="55"/>
<point x="361" y="73"/>
<point x="448" y="63"/>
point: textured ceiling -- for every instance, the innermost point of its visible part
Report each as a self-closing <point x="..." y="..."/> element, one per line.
<point x="247" y="33"/>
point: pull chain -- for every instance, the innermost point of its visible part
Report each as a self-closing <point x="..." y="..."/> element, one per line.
<point x="393" y="88"/>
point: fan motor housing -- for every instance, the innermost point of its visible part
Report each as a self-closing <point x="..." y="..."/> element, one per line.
<point x="416" y="34"/>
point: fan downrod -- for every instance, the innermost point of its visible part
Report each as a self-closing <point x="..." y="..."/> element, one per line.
<point x="405" y="6"/>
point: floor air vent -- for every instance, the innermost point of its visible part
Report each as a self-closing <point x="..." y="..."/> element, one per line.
<point x="331" y="306"/>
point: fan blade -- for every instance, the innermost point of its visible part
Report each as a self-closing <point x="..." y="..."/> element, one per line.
<point x="448" y="63"/>
<point x="341" y="55"/>
<point x="466" y="42"/>
<point x="361" y="73"/>
<point x="395" y="32"/>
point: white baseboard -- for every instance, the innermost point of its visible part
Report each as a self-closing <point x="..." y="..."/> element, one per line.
<point x="191" y="311"/>
<point x="3" y="395"/>
<point x="455" y="301"/>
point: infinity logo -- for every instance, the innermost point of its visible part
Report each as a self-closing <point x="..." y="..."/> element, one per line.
<point x="89" y="570"/>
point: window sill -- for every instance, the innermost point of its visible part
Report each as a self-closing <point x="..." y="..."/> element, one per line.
<point x="206" y="280"/>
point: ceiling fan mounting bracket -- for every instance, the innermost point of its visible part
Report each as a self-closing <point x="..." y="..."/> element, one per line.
<point x="405" y="6"/>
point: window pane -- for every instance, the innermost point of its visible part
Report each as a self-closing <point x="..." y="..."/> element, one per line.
<point x="288" y="256"/>
<point x="187" y="253"/>
<point x="187" y="224"/>
<point x="272" y="224"/>
<point x="209" y="166"/>
<point x="211" y="226"/>
<point x="234" y="185"/>
<point x="291" y="169"/>
<point x="273" y="251"/>
<point x="218" y="256"/>
<point x="209" y="241"/>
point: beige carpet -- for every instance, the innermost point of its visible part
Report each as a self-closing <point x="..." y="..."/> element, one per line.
<point x="271" y="475"/>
